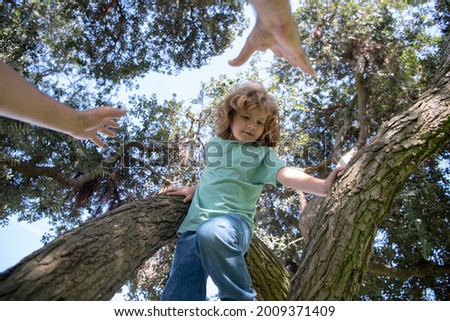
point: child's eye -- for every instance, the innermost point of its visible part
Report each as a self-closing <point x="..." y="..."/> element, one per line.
<point x="245" y="117"/>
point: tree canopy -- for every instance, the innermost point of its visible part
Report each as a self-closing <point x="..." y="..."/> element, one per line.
<point x="372" y="61"/>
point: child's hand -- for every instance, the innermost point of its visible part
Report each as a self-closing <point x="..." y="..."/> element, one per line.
<point x="187" y="192"/>
<point x="333" y="176"/>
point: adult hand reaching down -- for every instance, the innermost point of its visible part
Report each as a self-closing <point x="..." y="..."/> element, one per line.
<point x="275" y="29"/>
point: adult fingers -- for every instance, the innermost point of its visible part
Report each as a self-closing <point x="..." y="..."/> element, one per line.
<point x="277" y="51"/>
<point x="303" y="63"/>
<point x="110" y="123"/>
<point x="244" y="55"/>
<point x="107" y="132"/>
<point x="297" y="57"/>
<point x="97" y="141"/>
<point x="111" y="112"/>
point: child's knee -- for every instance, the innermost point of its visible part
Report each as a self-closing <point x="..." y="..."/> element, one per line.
<point x="207" y="233"/>
<point x="215" y="233"/>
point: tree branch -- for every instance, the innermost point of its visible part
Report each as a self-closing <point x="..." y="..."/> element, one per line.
<point x="46" y="171"/>
<point x="424" y="269"/>
<point x="339" y="141"/>
<point x="362" y="103"/>
<point x="107" y="250"/>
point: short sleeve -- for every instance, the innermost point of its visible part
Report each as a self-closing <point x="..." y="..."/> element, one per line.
<point x="267" y="170"/>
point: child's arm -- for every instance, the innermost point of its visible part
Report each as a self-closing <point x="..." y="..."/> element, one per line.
<point x="20" y="100"/>
<point x="298" y="180"/>
<point x="187" y="192"/>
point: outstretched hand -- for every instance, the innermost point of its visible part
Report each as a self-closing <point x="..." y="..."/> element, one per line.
<point x="94" y="121"/>
<point x="22" y="101"/>
<point x="275" y="29"/>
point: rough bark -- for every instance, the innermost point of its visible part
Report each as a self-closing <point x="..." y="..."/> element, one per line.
<point x="270" y="278"/>
<point x="424" y="269"/>
<point x="104" y="253"/>
<point x="94" y="260"/>
<point x="337" y="255"/>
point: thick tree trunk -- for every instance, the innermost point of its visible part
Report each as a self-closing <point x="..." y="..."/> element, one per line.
<point x="337" y="255"/>
<point x="94" y="260"/>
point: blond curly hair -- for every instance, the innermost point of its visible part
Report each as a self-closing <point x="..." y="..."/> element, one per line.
<point x="243" y="98"/>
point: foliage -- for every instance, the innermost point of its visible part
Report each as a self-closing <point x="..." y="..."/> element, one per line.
<point x="115" y="41"/>
<point x="416" y="232"/>
<point x="392" y="45"/>
<point x="79" y="52"/>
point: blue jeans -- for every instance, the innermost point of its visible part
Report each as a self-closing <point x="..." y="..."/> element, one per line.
<point x="217" y="249"/>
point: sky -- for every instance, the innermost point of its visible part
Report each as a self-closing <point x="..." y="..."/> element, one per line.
<point x="19" y="239"/>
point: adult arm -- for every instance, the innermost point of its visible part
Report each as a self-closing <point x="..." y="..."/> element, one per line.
<point x="22" y="101"/>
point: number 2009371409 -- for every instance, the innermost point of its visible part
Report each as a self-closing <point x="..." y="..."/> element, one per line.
<point x="295" y="310"/>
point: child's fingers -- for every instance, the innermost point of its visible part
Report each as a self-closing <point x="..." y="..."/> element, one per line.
<point x="174" y="191"/>
<point x="339" y="169"/>
<point x="188" y="198"/>
<point x="166" y="190"/>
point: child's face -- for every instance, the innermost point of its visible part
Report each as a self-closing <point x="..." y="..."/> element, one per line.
<point x="248" y="126"/>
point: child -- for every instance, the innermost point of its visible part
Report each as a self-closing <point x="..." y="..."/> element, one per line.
<point x="217" y="230"/>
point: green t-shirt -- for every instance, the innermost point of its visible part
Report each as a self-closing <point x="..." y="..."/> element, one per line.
<point x="232" y="181"/>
